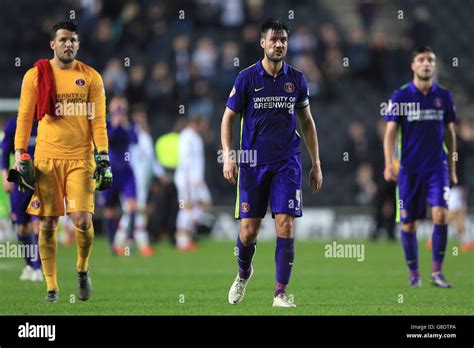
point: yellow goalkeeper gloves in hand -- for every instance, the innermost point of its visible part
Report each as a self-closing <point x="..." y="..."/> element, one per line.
<point x="25" y="177"/>
<point x="103" y="172"/>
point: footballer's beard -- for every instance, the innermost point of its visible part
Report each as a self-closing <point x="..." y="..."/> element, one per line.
<point x="274" y="58"/>
<point x="63" y="58"/>
<point x="425" y="76"/>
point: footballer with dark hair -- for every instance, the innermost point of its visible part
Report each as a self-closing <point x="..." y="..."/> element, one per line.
<point x="268" y="95"/>
<point x="67" y="98"/>
<point x="427" y="143"/>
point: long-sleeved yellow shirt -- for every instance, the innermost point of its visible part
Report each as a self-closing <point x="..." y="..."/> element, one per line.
<point x="81" y="105"/>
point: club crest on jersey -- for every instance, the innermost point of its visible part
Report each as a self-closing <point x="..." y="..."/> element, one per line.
<point x="289" y="87"/>
<point x="35" y="204"/>
<point x="438" y="102"/>
<point x="245" y="207"/>
<point x="80" y="82"/>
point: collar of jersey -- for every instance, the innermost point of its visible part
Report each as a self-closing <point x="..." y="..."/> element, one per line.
<point x="262" y="71"/>
<point x="416" y="90"/>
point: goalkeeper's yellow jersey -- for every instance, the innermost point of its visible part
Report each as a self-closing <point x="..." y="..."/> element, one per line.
<point x="81" y="105"/>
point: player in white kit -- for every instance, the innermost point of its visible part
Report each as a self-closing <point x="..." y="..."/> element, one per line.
<point x="193" y="194"/>
<point x="145" y="166"/>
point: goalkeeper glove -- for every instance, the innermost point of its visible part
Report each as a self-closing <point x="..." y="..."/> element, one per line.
<point x="25" y="177"/>
<point x="103" y="172"/>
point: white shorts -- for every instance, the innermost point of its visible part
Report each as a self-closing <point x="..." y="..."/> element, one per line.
<point x="456" y="199"/>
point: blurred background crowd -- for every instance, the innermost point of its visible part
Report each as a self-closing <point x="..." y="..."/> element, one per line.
<point x="176" y="58"/>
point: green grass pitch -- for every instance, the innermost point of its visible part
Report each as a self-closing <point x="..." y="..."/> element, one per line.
<point x="174" y="283"/>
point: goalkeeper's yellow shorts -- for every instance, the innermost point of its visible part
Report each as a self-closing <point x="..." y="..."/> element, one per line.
<point x="62" y="185"/>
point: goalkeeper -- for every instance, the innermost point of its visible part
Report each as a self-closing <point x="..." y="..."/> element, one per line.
<point x="66" y="174"/>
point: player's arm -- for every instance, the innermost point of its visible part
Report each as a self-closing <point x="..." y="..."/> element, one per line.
<point x="103" y="171"/>
<point x="388" y="148"/>
<point x="97" y="120"/>
<point x="26" y="114"/>
<point x="230" y="168"/>
<point x="310" y="137"/>
<point x="450" y="141"/>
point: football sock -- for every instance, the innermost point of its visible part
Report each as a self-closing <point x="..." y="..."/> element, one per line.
<point x="26" y="240"/>
<point x="140" y="234"/>
<point x="244" y="258"/>
<point x="111" y="230"/>
<point x="410" y="248"/>
<point x="37" y="263"/>
<point x="48" y="244"/>
<point x="121" y="235"/>
<point x="284" y="256"/>
<point x="84" y="241"/>
<point x="439" y="241"/>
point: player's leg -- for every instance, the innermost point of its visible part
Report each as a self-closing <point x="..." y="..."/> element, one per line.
<point x="286" y="202"/>
<point x="125" y="225"/>
<point x="84" y="233"/>
<point x="111" y="221"/>
<point x="47" y="244"/>
<point x="245" y="250"/>
<point x="247" y="244"/>
<point x="80" y="189"/>
<point x="33" y="229"/>
<point x="185" y="228"/>
<point x="47" y="203"/>
<point x="185" y="220"/>
<point x="284" y="254"/>
<point x="439" y="243"/>
<point x="140" y="232"/>
<point x="127" y="191"/>
<point x="410" y="250"/>
<point x="457" y="217"/>
<point x="411" y="206"/>
<point x="109" y="200"/>
<point x="18" y="203"/>
<point x="438" y="195"/>
<point x="250" y="207"/>
<point x="25" y="240"/>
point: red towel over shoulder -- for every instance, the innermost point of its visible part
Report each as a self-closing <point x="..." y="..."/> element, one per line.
<point x="46" y="93"/>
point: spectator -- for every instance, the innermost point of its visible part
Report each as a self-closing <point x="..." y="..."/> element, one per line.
<point x="422" y="31"/>
<point x="303" y="41"/>
<point x="115" y="77"/>
<point x="232" y="13"/>
<point x="160" y="89"/>
<point x="136" y="87"/>
<point x="204" y="58"/>
<point x="380" y="63"/>
<point x="365" y="187"/>
<point x="357" y="52"/>
<point x="306" y="63"/>
<point x="357" y="144"/>
<point x="228" y="67"/>
<point x="368" y="13"/>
